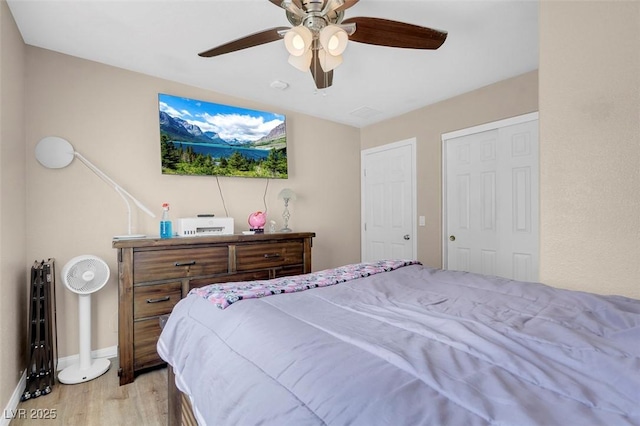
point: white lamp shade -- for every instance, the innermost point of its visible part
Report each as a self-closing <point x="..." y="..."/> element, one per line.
<point x="287" y="194"/>
<point x="54" y="152"/>
<point x="298" y="40"/>
<point x="333" y="40"/>
<point x="327" y="61"/>
<point x="301" y="62"/>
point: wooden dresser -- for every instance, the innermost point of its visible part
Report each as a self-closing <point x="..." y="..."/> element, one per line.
<point x="154" y="274"/>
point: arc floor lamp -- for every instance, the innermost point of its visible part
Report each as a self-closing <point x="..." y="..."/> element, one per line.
<point x="55" y="153"/>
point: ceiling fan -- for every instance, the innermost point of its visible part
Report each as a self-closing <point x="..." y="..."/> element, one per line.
<point x="319" y="34"/>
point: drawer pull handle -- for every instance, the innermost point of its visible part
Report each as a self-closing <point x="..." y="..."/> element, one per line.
<point x="158" y="300"/>
<point x="271" y="255"/>
<point x="193" y="262"/>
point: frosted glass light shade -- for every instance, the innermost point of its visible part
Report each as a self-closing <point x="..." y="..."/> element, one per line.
<point x="287" y="194"/>
<point x="333" y="40"/>
<point x="301" y="62"/>
<point x="298" y="40"/>
<point x="328" y="61"/>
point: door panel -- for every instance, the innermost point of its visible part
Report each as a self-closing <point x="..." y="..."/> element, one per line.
<point x="473" y="202"/>
<point x="491" y="202"/>
<point x="388" y="206"/>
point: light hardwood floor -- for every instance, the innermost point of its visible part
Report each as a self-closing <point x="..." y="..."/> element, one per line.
<point x="101" y="401"/>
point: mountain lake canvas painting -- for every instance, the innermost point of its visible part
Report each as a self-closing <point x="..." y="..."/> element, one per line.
<point x="204" y="138"/>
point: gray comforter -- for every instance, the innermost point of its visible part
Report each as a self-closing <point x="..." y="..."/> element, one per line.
<point x="415" y="346"/>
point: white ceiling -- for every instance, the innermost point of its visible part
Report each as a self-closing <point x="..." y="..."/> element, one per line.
<point x="488" y="41"/>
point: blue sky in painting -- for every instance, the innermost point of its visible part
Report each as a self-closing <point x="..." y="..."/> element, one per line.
<point x="228" y="121"/>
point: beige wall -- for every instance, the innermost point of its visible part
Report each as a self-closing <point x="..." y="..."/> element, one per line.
<point x="111" y="116"/>
<point x="13" y="275"/>
<point x="590" y="145"/>
<point x="512" y="97"/>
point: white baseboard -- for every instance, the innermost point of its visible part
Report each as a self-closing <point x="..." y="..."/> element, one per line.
<point x="12" y="407"/>
<point x="110" y="352"/>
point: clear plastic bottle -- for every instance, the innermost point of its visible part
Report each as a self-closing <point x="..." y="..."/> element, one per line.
<point x="166" y="230"/>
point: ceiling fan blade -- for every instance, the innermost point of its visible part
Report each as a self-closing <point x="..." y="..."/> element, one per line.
<point x="321" y="78"/>
<point x="347" y="4"/>
<point x="256" y="39"/>
<point x="384" y="32"/>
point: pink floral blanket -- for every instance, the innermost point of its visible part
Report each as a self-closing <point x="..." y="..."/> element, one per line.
<point x="223" y="295"/>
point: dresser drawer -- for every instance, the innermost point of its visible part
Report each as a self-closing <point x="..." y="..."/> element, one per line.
<point x="145" y="339"/>
<point x="245" y="276"/>
<point x="152" y="300"/>
<point x="179" y="263"/>
<point x="288" y="271"/>
<point x="257" y="256"/>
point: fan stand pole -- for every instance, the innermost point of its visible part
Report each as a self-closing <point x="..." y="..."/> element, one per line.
<point x="86" y="369"/>
<point x="84" y="330"/>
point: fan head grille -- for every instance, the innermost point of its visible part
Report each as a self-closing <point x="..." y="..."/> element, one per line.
<point x="85" y="274"/>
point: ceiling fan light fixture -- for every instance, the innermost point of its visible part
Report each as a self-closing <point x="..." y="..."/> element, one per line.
<point x="298" y="40"/>
<point x="333" y="39"/>
<point x="302" y="62"/>
<point x="327" y="61"/>
<point x="319" y="35"/>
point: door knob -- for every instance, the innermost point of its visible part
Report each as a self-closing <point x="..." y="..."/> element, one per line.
<point x="406" y="237"/>
<point x="452" y="237"/>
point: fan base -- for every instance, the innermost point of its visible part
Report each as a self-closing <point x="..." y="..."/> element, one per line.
<point x="73" y="374"/>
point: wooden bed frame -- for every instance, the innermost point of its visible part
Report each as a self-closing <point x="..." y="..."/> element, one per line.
<point x="180" y="410"/>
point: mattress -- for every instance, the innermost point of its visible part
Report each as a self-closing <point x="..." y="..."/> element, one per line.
<point x="412" y="346"/>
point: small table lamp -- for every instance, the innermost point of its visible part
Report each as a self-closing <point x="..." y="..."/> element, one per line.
<point x="286" y="194"/>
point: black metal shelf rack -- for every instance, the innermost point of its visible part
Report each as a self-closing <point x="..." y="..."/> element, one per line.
<point x="42" y="350"/>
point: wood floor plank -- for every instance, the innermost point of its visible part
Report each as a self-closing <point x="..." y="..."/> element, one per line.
<point x="99" y="402"/>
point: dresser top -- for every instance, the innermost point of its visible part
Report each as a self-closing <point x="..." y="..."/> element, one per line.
<point x="219" y="239"/>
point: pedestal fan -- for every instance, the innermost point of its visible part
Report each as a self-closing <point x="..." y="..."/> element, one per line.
<point x="84" y="275"/>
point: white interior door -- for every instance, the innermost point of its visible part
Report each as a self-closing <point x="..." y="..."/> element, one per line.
<point x="491" y="201"/>
<point x="389" y="202"/>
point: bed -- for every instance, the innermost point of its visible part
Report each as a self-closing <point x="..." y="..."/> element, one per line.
<point x="398" y="343"/>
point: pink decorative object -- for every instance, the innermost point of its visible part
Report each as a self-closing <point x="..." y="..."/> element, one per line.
<point x="257" y="221"/>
